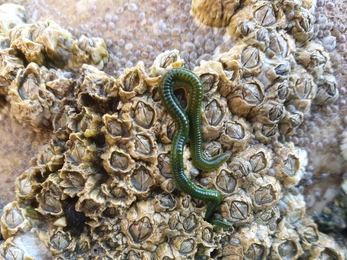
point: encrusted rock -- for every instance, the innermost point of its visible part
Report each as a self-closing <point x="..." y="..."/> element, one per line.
<point x="104" y="186"/>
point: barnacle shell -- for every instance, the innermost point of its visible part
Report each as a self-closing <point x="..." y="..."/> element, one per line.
<point x="141" y="179"/>
<point x="92" y="199"/>
<point x="212" y="149"/>
<point x="166" y="61"/>
<point x="164" y="251"/>
<point x="245" y="58"/>
<point x="89" y="122"/>
<point x="62" y="125"/>
<point x="132" y="83"/>
<point x="303" y="90"/>
<point x="117" y="161"/>
<point x="237" y="208"/>
<point x="266" y="133"/>
<point x="87" y="50"/>
<point x="81" y="151"/>
<point x="185" y="246"/>
<point x="255" y="241"/>
<point x="49" y="198"/>
<point x="97" y="88"/>
<point x="47" y="40"/>
<point x="309" y="234"/>
<point x="314" y="59"/>
<point x="268" y="218"/>
<point x="13" y="220"/>
<point x="72" y="182"/>
<point x="10" y="64"/>
<point x="139" y="227"/>
<point x="51" y="158"/>
<point x="167" y="130"/>
<point x="240" y="167"/>
<point x="281" y="45"/>
<point x="119" y="194"/>
<point x="327" y="91"/>
<point x="135" y="254"/>
<point x="290" y="122"/>
<point x="21" y="40"/>
<point x="29" y="93"/>
<point x="270" y="113"/>
<point x="265" y="13"/>
<point x="115" y="129"/>
<point x="286" y="244"/>
<point x="214" y="13"/>
<point x="257" y="36"/>
<point x="232" y="249"/>
<point x="20" y="247"/>
<point x="293" y="207"/>
<point x="60" y="241"/>
<point x="290" y="167"/>
<point x="142" y="146"/>
<point x="215" y="112"/>
<point x="236" y="134"/>
<point x="247" y="95"/>
<point x="226" y="181"/>
<point x="274" y="71"/>
<point x="48" y="36"/>
<point x="265" y="192"/>
<point x="259" y="157"/>
<point x="268" y="117"/>
<point x="40" y="93"/>
<point x="278" y="91"/>
<point x="212" y="75"/>
<point x="26" y="185"/>
<point x="142" y="113"/>
<point x="303" y="25"/>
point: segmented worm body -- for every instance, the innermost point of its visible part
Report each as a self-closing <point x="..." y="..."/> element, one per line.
<point x="185" y="122"/>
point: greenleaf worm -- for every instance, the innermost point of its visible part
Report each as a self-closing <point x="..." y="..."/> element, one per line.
<point x="185" y="122"/>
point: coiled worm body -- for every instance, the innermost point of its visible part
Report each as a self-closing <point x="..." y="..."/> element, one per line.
<point x="190" y="124"/>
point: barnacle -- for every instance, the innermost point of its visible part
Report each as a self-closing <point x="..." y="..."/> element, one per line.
<point x="236" y="135"/>
<point x="292" y="162"/>
<point x="326" y="90"/>
<point x="166" y="61"/>
<point x="314" y="59"/>
<point x="303" y="25"/>
<point x="286" y="245"/>
<point x="10" y="64"/>
<point x="12" y="220"/>
<point x="237" y="208"/>
<point x="28" y="92"/>
<point x="103" y="185"/>
<point x="36" y="41"/>
<point x="25" y="185"/>
<point x="215" y="13"/>
<point x="255" y="241"/>
<point x="265" y="192"/>
<point x="246" y="96"/>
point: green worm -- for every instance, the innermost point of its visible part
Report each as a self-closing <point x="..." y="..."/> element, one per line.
<point x="187" y="79"/>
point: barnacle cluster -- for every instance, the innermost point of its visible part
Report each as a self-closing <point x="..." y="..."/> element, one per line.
<point x="34" y="88"/>
<point x="102" y="187"/>
<point x="109" y="161"/>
